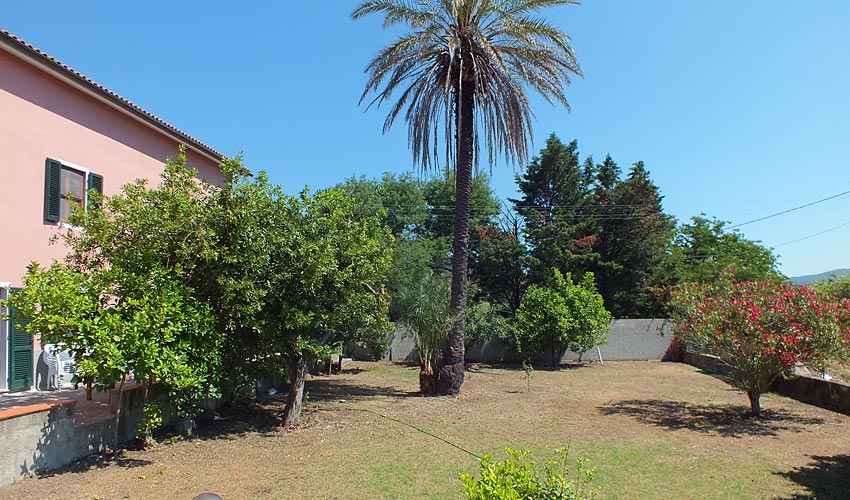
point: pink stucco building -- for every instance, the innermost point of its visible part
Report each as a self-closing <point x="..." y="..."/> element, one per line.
<point x="60" y="135"/>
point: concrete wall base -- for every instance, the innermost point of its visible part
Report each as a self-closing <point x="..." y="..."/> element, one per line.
<point x="825" y="394"/>
<point x="46" y="436"/>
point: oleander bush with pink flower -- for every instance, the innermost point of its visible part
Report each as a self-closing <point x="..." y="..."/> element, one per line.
<point x="761" y="330"/>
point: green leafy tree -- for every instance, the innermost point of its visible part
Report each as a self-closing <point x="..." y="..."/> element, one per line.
<point x="439" y="193"/>
<point x="484" y="321"/>
<point x="561" y="316"/>
<point x="704" y="249"/>
<point x="123" y="300"/>
<point x="557" y="211"/>
<point x="398" y="199"/>
<point x="581" y="216"/>
<point x="607" y="179"/>
<point x="634" y="235"/>
<point x="461" y="72"/>
<point x="295" y="276"/>
<point x="838" y="286"/>
<point x="116" y="324"/>
<point x="252" y="226"/>
<point x="499" y="265"/>
<point x="761" y="330"/>
<point x="327" y="282"/>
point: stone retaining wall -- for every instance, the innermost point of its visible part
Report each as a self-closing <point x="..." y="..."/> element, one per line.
<point x="46" y="436"/>
<point x="815" y="391"/>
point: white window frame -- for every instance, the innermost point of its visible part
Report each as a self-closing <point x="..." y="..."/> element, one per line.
<point x="86" y="172"/>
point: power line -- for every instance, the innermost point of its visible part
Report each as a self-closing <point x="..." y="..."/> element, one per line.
<point x="790" y="210"/>
<point x="813" y="235"/>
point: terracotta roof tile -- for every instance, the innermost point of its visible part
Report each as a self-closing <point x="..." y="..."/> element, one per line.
<point x="5" y="35"/>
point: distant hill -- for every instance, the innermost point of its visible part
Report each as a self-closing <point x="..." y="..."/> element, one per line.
<point x="811" y="278"/>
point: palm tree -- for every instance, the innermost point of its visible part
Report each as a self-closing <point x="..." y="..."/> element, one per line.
<point x="428" y="319"/>
<point x="461" y="72"/>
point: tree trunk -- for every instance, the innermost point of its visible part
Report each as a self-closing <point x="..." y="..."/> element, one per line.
<point x="294" y="403"/>
<point x="147" y="439"/>
<point x="117" y="414"/>
<point x="427" y="382"/>
<point x="755" y="402"/>
<point x="555" y="355"/>
<point x="450" y="376"/>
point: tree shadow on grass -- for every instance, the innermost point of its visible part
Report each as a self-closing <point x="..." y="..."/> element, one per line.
<point x="265" y="415"/>
<point x="330" y="389"/>
<point x="824" y="478"/>
<point x="351" y="371"/>
<point x="730" y="421"/>
<point x="261" y="416"/>
<point x="479" y="367"/>
<point x="97" y="461"/>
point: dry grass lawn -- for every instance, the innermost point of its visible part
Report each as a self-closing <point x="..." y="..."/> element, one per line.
<point x="654" y="430"/>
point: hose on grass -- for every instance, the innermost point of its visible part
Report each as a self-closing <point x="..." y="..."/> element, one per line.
<point x="423" y="431"/>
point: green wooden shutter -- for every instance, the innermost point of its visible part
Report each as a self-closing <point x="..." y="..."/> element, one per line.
<point x="96" y="183"/>
<point x="52" y="189"/>
<point x="20" y="351"/>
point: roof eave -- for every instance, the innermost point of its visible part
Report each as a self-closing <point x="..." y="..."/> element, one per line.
<point x="23" y="51"/>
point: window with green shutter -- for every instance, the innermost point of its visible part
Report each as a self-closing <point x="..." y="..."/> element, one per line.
<point x="20" y="351"/>
<point x="95" y="182"/>
<point x="52" y="184"/>
<point x="66" y="187"/>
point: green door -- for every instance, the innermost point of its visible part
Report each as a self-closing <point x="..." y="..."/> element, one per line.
<point x="20" y="351"/>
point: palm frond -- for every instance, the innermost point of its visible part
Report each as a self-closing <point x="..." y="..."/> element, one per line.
<point x="395" y="12"/>
<point x="498" y="44"/>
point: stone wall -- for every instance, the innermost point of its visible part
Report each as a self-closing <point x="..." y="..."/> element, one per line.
<point x="815" y="391"/>
<point x="827" y="394"/>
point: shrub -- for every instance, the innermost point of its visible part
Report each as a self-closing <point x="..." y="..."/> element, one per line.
<point x="520" y="478"/>
<point x="761" y="330"/>
<point x="838" y="286"/>
<point x="564" y="315"/>
<point x="483" y="321"/>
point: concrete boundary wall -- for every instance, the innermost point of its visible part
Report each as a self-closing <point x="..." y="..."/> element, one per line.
<point x="628" y="339"/>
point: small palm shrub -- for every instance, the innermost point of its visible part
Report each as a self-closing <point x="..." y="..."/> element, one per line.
<point x="428" y="319"/>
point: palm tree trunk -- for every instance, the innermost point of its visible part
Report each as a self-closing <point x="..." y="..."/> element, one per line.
<point x="450" y="376"/>
<point x="427" y="382"/>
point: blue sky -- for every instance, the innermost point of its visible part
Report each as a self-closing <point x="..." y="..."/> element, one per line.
<point x="739" y="108"/>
